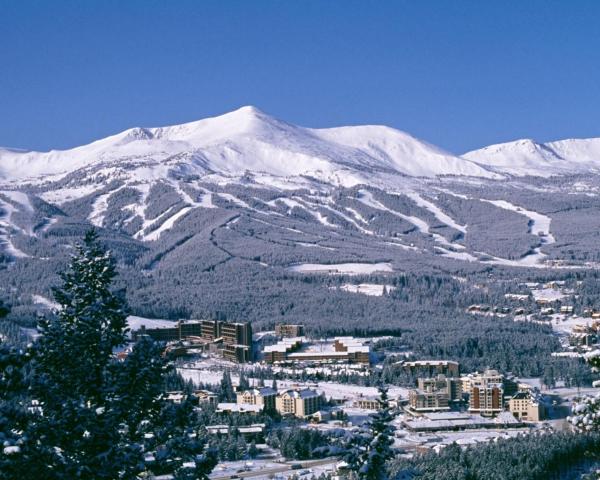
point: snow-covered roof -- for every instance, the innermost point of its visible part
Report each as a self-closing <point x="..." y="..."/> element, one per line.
<point x="300" y="393"/>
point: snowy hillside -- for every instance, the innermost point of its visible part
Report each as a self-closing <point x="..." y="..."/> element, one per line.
<point x="526" y="157"/>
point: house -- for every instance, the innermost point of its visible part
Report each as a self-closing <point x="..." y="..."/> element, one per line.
<point x="206" y="397"/>
<point x="175" y="397"/>
<point x="567" y="309"/>
<point x="264" y="397"/>
<point x="298" y="402"/>
<point x="368" y="403"/>
<point x="526" y="407"/>
<point x="251" y="432"/>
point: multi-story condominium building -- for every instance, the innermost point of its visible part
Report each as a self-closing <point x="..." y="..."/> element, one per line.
<point x="264" y="396"/>
<point x="280" y="351"/>
<point x="486" y="393"/>
<point x="237" y="353"/>
<point x="431" y="368"/>
<point x="428" y="401"/>
<point x="435" y="394"/>
<point x="289" y="331"/>
<point x="300" y="403"/>
<point x="178" y="331"/>
<point x="526" y="407"/>
<point x="235" y="337"/>
<point x="236" y="333"/>
<point x="451" y="385"/>
<point x="345" y="349"/>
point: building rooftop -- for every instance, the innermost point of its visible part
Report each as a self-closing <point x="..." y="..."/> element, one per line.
<point x="303" y="393"/>
<point x="238" y="407"/>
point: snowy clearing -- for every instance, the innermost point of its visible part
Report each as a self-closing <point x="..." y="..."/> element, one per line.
<point x="370" y="289"/>
<point x="343" y="268"/>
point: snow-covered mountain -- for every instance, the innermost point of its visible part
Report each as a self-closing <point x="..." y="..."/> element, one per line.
<point x="247" y="140"/>
<point x="527" y="157"/>
<point x="247" y="186"/>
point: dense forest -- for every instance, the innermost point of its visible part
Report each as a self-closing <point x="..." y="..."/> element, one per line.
<point x="531" y="457"/>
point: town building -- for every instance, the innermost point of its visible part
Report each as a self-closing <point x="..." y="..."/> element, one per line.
<point x="453" y="421"/>
<point x="241" y="408"/>
<point x="264" y="396"/>
<point x="582" y="336"/>
<point x="368" y="403"/>
<point x="526" y="407"/>
<point x="286" y="330"/>
<point x="486" y="394"/>
<point x="206" y="397"/>
<point x="432" y="368"/>
<point x="279" y="351"/>
<point x="232" y="339"/>
<point x="297" y="349"/>
<point x="435" y="394"/>
<point x="253" y="432"/>
<point x="298" y="402"/>
<point x="175" y="396"/>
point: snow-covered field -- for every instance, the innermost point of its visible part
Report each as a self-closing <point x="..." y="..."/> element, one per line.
<point x="371" y="289"/>
<point x="342" y="268"/>
<point x="548" y="294"/>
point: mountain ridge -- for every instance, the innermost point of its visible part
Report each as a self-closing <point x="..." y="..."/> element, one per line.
<point x="249" y="140"/>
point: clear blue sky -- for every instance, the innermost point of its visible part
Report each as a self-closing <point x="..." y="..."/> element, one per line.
<point x="459" y="74"/>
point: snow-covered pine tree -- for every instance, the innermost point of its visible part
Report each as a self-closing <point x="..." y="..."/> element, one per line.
<point x="226" y="392"/>
<point x="76" y="346"/>
<point x="244" y="384"/>
<point x="586" y="412"/>
<point x="378" y="452"/>
<point x="91" y="415"/>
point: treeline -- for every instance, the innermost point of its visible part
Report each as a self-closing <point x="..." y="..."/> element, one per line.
<point x="531" y="457"/>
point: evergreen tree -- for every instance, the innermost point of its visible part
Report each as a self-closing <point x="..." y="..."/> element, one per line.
<point x="274" y="384"/>
<point x="82" y="412"/>
<point x="226" y="392"/>
<point x="4" y="310"/>
<point x="378" y="452"/>
<point x="252" y="450"/>
<point x="243" y="383"/>
<point x="586" y="412"/>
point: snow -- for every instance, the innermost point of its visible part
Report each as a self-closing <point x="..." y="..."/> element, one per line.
<point x="99" y="208"/>
<point x="437" y="212"/>
<point x="7" y="226"/>
<point x="548" y="294"/>
<point x="19" y="198"/>
<point x="367" y="198"/>
<point x="527" y="157"/>
<point x="44" y="302"/>
<point x="135" y="322"/>
<point x="249" y="140"/>
<point x="343" y="268"/>
<point x="166" y="225"/>
<point x="539" y="225"/>
<point x="370" y="289"/>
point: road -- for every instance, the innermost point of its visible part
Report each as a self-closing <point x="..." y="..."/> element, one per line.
<point x="283" y="468"/>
